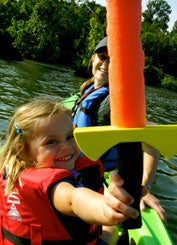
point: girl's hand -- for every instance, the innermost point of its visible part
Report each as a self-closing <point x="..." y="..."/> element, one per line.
<point x="118" y="200"/>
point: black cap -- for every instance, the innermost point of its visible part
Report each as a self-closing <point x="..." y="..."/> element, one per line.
<point x="102" y="44"/>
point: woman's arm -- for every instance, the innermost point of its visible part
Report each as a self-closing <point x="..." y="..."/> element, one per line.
<point x="150" y="163"/>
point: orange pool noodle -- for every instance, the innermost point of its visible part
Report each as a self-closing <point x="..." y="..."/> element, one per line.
<point x="126" y="79"/>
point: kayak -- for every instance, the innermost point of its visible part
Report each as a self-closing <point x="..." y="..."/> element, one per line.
<point x="153" y="231"/>
<point x="70" y="101"/>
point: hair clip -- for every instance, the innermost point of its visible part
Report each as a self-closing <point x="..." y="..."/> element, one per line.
<point x="17" y="129"/>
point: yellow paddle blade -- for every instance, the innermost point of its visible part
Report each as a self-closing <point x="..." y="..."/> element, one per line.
<point x="95" y="141"/>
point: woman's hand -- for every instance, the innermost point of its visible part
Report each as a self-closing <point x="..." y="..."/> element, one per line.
<point x="151" y="201"/>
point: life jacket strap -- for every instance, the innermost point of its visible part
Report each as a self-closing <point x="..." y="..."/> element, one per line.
<point x="36" y="237"/>
<point x="17" y="240"/>
<point x="1" y="241"/>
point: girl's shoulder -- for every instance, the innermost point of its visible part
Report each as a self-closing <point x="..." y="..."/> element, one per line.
<point x="43" y="177"/>
<point x="84" y="162"/>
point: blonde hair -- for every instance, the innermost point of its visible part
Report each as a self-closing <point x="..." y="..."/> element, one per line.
<point x="14" y="156"/>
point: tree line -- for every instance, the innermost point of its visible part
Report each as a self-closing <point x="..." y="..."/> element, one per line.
<point x="67" y="31"/>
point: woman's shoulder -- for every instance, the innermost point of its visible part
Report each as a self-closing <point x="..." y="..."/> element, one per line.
<point x="103" y="113"/>
<point x="106" y="102"/>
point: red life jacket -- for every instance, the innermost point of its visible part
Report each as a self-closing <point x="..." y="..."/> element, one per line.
<point x="28" y="216"/>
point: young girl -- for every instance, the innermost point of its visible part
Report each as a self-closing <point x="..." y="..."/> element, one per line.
<point x="50" y="195"/>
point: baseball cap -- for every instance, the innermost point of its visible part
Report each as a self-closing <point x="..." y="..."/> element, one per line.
<point x="101" y="44"/>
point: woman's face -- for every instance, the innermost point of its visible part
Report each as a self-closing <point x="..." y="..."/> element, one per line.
<point x="100" y="62"/>
<point x="53" y="144"/>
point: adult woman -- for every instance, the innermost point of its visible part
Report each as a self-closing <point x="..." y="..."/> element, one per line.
<point x="93" y="108"/>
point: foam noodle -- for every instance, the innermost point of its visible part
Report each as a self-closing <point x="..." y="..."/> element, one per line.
<point x="126" y="63"/>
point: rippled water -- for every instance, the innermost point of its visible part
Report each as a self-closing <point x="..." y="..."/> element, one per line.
<point x="161" y="105"/>
<point x="22" y="81"/>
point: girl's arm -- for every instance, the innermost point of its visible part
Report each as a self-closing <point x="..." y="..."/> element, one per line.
<point x="92" y="207"/>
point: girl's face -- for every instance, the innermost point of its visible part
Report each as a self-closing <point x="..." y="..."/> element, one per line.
<point x="100" y="62"/>
<point x="53" y="145"/>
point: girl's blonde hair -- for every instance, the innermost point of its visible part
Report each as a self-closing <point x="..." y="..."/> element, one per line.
<point x="14" y="155"/>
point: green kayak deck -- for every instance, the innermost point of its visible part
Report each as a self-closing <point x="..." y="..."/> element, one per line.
<point x="153" y="230"/>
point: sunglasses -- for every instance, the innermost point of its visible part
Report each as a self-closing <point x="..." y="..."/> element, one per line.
<point x="103" y="57"/>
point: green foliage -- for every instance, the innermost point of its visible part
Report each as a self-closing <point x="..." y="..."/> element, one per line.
<point x="169" y="82"/>
<point x="152" y="74"/>
<point x="96" y="33"/>
<point x="92" y="33"/>
<point x="174" y="29"/>
<point x="159" y="45"/>
<point x="67" y="31"/>
<point x="53" y="31"/>
<point x="161" y="48"/>
<point x="8" y="11"/>
<point x="158" y="12"/>
<point x="37" y="37"/>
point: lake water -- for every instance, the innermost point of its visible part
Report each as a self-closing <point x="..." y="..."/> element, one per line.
<point x="22" y="81"/>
